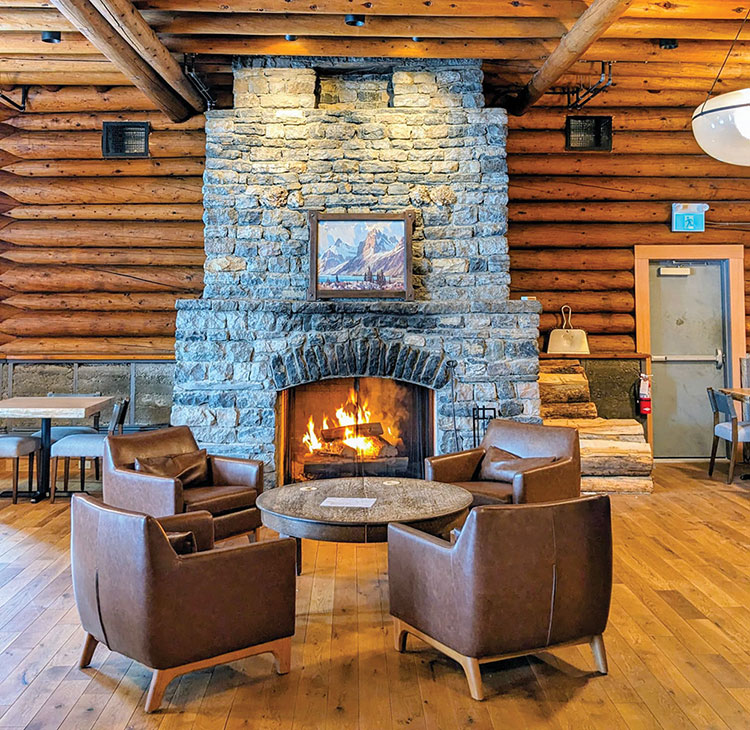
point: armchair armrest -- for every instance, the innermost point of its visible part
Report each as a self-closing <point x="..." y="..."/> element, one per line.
<point x="420" y="578"/>
<point x="226" y="470"/>
<point x="459" y="466"/>
<point x="248" y="592"/>
<point x="201" y="524"/>
<point x="549" y="483"/>
<point x="140" y="492"/>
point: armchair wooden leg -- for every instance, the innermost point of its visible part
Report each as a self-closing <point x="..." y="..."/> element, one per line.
<point x="88" y="651"/>
<point x="473" y="676"/>
<point x="160" y="679"/>
<point x="282" y="655"/>
<point x="15" y="481"/>
<point x="712" y="462"/>
<point x="600" y="653"/>
<point x="399" y="636"/>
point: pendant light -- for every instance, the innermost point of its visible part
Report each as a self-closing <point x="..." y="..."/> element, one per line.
<point x="721" y="126"/>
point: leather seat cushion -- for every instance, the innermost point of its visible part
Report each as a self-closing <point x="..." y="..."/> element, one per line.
<point x="235" y="523"/>
<point x="218" y="500"/>
<point x="501" y="466"/>
<point x="190" y="468"/>
<point x="486" y="492"/>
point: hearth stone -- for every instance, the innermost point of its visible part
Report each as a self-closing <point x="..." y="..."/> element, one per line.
<point x="406" y="134"/>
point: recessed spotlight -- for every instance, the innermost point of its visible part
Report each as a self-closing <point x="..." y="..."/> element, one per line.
<point x="416" y="39"/>
<point x="668" y="44"/>
<point x="355" y="20"/>
<point x="290" y="37"/>
<point x="51" y="36"/>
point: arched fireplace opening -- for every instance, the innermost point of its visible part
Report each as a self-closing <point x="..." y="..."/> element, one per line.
<point x="353" y="426"/>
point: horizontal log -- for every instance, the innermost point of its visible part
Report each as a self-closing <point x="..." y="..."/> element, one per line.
<point x="98" y="302"/>
<point x="339" y="432"/>
<point x="84" y="99"/>
<point x="563" y="388"/>
<point x="641" y="142"/>
<point x="584" y="301"/>
<point x="615" y="235"/>
<point x="609" y="458"/>
<point x="618" y="484"/>
<point x="82" y="346"/>
<point x="106" y="256"/>
<point x="83" y="121"/>
<point x="626" y="165"/>
<point x="157" y="212"/>
<point x="32" y="19"/>
<point x="595" y="323"/>
<point x="618" y="212"/>
<point x="108" y="233"/>
<point x="30" y="43"/>
<point x="629" y="119"/>
<point x="630" y="97"/>
<point x="107" y="168"/>
<point x="567" y="410"/>
<point x="62" y="324"/>
<point x="528" y="187"/>
<point x="571" y="280"/>
<point x="571" y="260"/>
<point x="611" y="343"/>
<point x="66" y="78"/>
<point x="50" y="190"/>
<point x="88" y="145"/>
<point x="111" y="279"/>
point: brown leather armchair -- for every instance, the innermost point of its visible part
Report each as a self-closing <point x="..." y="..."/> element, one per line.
<point x="178" y="613"/>
<point x="229" y="494"/>
<point x="526" y="480"/>
<point x="517" y="581"/>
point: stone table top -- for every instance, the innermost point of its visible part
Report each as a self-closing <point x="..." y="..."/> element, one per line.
<point x="57" y="407"/>
<point x="297" y="509"/>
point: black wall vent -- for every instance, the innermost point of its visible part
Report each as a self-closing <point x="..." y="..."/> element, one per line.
<point x="125" y="139"/>
<point x="588" y="133"/>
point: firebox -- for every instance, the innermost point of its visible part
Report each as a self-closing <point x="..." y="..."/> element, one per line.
<point x="354" y="426"/>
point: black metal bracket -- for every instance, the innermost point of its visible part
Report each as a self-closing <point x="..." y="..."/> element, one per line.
<point x="188" y="68"/>
<point x="578" y="96"/>
<point x="480" y="418"/>
<point x="18" y="107"/>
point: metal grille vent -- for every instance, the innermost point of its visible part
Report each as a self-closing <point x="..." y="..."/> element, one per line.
<point x="125" y="139"/>
<point x="588" y="133"/>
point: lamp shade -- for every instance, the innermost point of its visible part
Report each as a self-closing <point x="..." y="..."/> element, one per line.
<point x="721" y="127"/>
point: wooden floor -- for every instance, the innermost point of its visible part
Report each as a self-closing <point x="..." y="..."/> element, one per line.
<point x="678" y="639"/>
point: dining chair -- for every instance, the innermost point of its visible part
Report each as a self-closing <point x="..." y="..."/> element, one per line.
<point x="14" y="446"/>
<point x="85" y="446"/>
<point x="60" y="432"/>
<point x="731" y="429"/>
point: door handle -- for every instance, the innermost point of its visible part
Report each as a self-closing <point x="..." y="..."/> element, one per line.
<point x="719" y="359"/>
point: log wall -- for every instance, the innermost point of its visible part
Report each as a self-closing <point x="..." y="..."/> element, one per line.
<point x="94" y="252"/>
<point x="575" y="217"/>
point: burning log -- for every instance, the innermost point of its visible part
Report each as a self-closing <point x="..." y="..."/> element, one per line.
<point x="340" y="432"/>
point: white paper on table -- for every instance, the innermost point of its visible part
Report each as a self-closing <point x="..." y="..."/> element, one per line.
<point x="348" y="502"/>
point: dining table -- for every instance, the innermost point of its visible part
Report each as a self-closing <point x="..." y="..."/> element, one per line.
<point x="46" y="409"/>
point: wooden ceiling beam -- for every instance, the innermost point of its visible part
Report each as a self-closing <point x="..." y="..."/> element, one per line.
<point x="588" y="28"/>
<point x="130" y="24"/>
<point x="31" y="43"/>
<point x="95" y="27"/>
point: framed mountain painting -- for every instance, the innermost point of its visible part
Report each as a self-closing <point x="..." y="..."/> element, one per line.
<point x="360" y="255"/>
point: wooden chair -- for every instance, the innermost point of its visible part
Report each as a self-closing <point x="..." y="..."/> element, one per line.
<point x="731" y="429"/>
<point x="60" y="432"/>
<point x="85" y="446"/>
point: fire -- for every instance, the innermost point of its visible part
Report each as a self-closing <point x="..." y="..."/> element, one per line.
<point x="350" y="414"/>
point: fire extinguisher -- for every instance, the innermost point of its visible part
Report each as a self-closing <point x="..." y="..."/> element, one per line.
<point x="644" y="394"/>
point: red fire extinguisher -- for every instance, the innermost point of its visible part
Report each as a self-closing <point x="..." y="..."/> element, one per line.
<point x="644" y="394"/>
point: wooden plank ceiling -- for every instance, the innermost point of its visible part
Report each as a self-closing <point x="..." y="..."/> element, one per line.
<point x="513" y="37"/>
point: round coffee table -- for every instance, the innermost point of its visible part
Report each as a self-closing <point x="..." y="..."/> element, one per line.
<point x="313" y="510"/>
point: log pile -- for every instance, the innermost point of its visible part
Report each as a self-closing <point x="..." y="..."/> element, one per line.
<point x="564" y="390"/>
<point x="94" y="252"/>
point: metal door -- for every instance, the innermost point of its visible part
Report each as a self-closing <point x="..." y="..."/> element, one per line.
<point x="689" y="342"/>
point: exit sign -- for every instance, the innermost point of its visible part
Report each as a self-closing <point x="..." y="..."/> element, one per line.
<point x="689" y="217"/>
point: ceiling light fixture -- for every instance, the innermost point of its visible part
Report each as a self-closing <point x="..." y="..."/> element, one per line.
<point x="721" y="126"/>
<point x="51" y="36"/>
<point x="290" y="37"/>
<point x="356" y="20"/>
<point x="668" y="44"/>
<point x="416" y="39"/>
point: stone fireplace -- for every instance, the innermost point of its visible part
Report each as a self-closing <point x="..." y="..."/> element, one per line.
<point x="355" y="136"/>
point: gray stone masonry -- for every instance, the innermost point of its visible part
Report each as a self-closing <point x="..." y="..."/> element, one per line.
<point x="403" y="135"/>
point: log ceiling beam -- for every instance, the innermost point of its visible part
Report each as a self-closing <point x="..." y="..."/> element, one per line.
<point x="587" y="29"/>
<point x="89" y="21"/>
<point x="131" y="26"/>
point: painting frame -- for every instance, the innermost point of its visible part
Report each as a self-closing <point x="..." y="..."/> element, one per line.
<point x="316" y="291"/>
